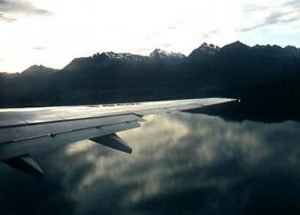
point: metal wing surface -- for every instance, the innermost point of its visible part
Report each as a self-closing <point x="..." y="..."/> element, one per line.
<point x="24" y="131"/>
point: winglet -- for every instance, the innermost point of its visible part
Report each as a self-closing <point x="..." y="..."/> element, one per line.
<point x="113" y="141"/>
<point x="25" y="164"/>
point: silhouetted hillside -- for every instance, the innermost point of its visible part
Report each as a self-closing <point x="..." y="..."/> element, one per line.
<point x="266" y="78"/>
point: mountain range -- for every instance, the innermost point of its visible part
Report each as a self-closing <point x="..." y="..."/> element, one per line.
<point x="266" y="78"/>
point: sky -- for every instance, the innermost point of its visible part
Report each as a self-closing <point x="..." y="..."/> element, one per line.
<point x="52" y="33"/>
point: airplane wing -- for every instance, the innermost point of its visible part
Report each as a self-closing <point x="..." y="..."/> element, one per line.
<point x="24" y="131"/>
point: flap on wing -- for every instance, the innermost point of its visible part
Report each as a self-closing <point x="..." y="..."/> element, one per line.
<point x="38" y="144"/>
<point x="114" y="142"/>
<point x="26" y="164"/>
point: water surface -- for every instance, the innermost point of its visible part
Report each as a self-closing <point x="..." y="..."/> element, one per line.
<point x="181" y="164"/>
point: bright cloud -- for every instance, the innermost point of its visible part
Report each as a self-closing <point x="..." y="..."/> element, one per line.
<point x="54" y="32"/>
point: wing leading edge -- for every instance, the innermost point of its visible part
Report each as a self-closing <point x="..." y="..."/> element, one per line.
<point x="24" y="131"/>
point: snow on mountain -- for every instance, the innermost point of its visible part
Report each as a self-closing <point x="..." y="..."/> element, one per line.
<point x="123" y="56"/>
<point x="161" y="54"/>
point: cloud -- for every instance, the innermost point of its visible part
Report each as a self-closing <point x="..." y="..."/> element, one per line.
<point x="39" y="48"/>
<point x="295" y="4"/>
<point x="196" y="163"/>
<point x="172" y="27"/>
<point x="276" y="17"/>
<point x="209" y="34"/>
<point x="267" y="14"/>
<point x="10" y="10"/>
<point x="166" y="45"/>
<point x="250" y="8"/>
<point x="272" y="19"/>
<point x="181" y="163"/>
<point x="6" y="19"/>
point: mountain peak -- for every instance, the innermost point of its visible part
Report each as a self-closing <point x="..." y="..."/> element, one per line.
<point x="209" y="48"/>
<point x="235" y="47"/>
<point x="237" y="44"/>
<point x="38" y="69"/>
<point x="161" y="54"/>
<point x="204" y="51"/>
<point x="290" y="47"/>
<point x="292" y="51"/>
<point x="119" y="56"/>
<point x="35" y="66"/>
<point x="158" y="52"/>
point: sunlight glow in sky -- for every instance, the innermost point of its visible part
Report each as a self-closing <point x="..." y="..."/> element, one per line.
<point x="52" y="33"/>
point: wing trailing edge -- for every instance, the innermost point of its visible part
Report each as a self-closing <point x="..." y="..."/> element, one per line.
<point x="113" y="141"/>
<point x="25" y="164"/>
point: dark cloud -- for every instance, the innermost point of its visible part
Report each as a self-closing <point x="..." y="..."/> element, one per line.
<point x="272" y="19"/>
<point x="9" y="10"/>
<point x="276" y="17"/>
